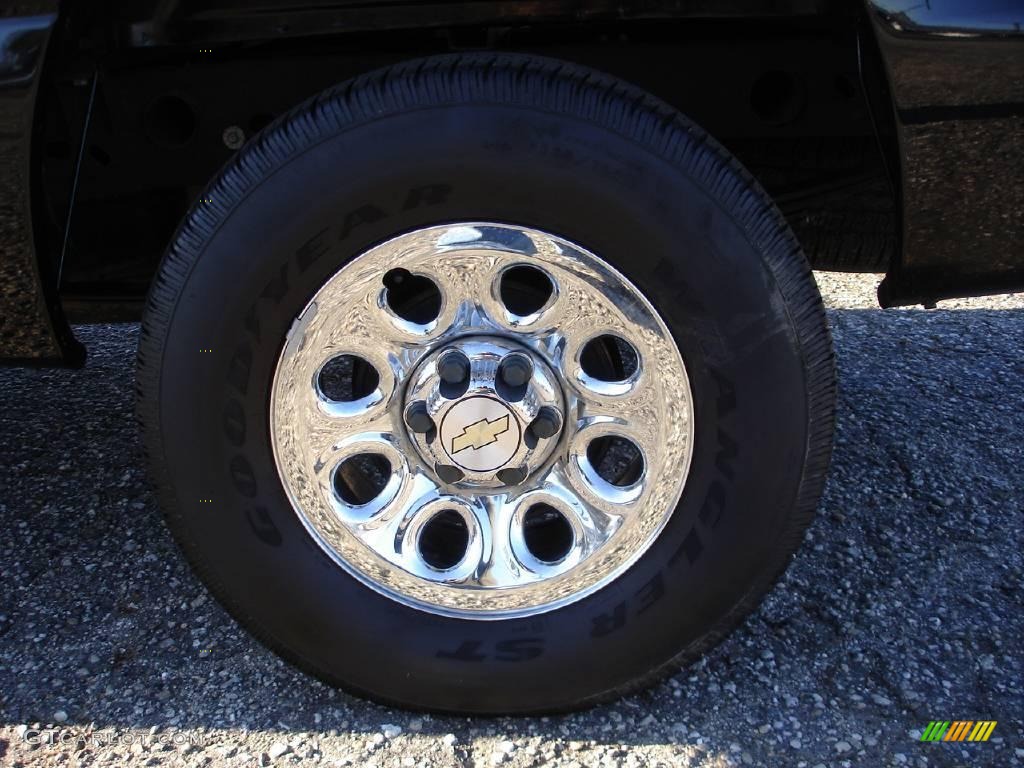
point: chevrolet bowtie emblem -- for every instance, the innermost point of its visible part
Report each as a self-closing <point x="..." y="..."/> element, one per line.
<point x="480" y="433"/>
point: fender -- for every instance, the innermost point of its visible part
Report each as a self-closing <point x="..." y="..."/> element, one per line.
<point x="33" y="328"/>
<point x="956" y="75"/>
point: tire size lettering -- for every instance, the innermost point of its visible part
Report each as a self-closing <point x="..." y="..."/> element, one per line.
<point x="518" y="649"/>
<point x="648" y="594"/>
<point x="263" y="526"/>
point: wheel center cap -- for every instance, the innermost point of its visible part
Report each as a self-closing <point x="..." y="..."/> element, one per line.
<point x="480" y="434"/>
<point x="484" y="412"/>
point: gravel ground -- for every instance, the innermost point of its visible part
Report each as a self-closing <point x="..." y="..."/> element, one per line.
<point x="903" y="606"/>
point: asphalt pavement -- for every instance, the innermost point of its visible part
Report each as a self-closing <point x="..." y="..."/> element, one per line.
<point x="903" y="606"/>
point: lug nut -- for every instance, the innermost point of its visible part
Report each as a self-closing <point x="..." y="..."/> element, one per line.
<point x="453" y="367"/>
<point x="515" y="370"/>
<point x="448" y="473"/>
<point x="512" y="475"/>
<point x="418" y="418"/>
<point x="547" y="423"/>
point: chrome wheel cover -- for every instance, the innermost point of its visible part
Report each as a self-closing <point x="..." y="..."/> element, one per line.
<point x="498" y="573"/>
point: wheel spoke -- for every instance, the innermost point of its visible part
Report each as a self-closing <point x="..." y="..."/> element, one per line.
<point x="355" y="319"/>
<point x="593" y="523"/>
<point x="323" y="433"/>
<point x="635" y="414"/>
<point x="466" y="280"/>
<point x="499" y="565"/>
<point x="386" y="530"/>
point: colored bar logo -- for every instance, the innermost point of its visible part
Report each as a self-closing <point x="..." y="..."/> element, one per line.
<point x="958" y="730"/>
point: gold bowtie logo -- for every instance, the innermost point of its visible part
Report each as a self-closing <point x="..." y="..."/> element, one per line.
<point x="480" y="433"/>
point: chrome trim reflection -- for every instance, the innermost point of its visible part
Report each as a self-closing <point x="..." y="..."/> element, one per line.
<point x="497" y="576"/>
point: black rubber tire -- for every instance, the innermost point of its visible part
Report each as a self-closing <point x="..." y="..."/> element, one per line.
<point x="511" y="139"/>
<point x="834" y="194"/>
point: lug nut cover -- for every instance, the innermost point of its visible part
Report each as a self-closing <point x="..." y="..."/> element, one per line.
<point x="547" y="423"/>
<point x="418" y="418"/>
<point x="516" y="370"/>
<point x="448" y="473"/>
<point x="453" y="368"/>
<point x="512" y="475"/>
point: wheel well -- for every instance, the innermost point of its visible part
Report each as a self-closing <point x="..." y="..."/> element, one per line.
<point x="176" y="94"/>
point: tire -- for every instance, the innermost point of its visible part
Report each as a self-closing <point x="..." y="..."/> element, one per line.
<point x="843" y="215"/>
<point x="524" y="141"/>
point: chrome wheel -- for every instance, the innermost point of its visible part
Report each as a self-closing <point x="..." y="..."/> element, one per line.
<point x="514" y="430"/>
